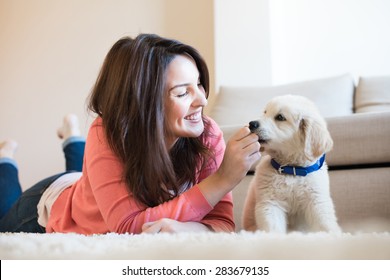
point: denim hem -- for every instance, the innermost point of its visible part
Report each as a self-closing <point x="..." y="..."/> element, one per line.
<point x="71" y="140"/>
<point x="8" y="161"/>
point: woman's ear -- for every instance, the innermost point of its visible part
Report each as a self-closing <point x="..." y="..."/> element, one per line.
<point x="316" y="137"/>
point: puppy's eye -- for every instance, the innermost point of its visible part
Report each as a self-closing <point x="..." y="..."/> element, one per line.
<point x="280" y="117"/>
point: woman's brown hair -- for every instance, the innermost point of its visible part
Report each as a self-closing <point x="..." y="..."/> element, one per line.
<point x="129" y="96"/>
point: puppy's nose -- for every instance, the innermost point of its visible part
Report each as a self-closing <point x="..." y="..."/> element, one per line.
<point x="253" y="125"/>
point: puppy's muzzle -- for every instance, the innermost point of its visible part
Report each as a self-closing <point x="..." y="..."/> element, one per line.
<point x="253" y="126"/>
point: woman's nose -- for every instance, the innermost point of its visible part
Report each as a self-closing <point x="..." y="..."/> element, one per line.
<point x="200" y="99"/>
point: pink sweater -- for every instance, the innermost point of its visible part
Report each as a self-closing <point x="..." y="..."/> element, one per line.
<point x="99" y="202"/>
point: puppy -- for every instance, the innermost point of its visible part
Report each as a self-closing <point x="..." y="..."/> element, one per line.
<point x="290" y="188"/>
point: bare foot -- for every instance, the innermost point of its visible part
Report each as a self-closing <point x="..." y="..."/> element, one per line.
<point x="8" y="148"/>
<point x="69" y="128"/>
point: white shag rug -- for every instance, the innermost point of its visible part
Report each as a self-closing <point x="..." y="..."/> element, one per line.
<point x="193" y="246"/>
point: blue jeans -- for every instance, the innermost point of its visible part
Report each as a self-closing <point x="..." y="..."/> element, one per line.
<point x="18" y="211"/>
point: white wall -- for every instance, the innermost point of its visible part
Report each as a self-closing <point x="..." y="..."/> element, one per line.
<point x="319" y="38"/>
<point x="242" y="43"/>
<point x="51" y="52"/>
<point x="270" y="42"/>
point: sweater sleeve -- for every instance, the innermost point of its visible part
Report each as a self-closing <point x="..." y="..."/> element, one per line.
<point x="221" y="217"/>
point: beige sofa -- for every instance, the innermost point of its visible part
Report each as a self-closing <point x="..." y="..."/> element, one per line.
<point x="358" y="117"/>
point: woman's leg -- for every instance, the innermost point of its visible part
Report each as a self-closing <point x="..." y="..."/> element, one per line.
<point x="73" y="145"/>
<point x="18" y="211"/>
<point x="73" y="149"/>
<point x="23" y="215"/>
<point x="10" y="189"/>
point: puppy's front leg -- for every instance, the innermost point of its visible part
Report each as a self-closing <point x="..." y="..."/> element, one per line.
<point x="270" y="217"/>
<point x="321" y="216"/>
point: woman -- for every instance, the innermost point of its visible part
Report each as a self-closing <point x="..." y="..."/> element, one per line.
<point x="153" y="162"/>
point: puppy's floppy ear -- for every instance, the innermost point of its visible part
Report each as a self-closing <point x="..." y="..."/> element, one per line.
<point x="316" y="137"/>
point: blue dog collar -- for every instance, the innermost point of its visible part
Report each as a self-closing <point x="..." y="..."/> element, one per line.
<point x="298" y="170"/>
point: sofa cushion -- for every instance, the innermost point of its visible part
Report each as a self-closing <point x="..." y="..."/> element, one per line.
<point x="373" y="94"/>
<point x="361" y="195"/>
<point x="360" y="139"/>
<point x="239" y="105"/>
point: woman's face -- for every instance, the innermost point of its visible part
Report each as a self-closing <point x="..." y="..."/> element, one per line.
<point x="185" y="100"/>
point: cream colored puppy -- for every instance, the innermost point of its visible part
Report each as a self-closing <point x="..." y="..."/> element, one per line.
<point x="290" y="188"/>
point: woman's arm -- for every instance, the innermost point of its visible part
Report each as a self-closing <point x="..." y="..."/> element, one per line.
<point x="241" y="152"/>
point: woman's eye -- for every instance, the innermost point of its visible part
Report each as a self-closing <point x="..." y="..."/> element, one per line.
<point x="280" y="117"/>
<point x="182" y="95"/>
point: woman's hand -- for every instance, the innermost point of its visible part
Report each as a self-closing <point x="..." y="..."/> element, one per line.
<point x="172" y="226"/>
<point x="242" y="151"/>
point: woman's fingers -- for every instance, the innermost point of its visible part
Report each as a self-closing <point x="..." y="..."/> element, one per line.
<point x="243" y="143"/>
<point x="242" y="151"/>
<point x="152" y="227"/>
<point x="241" y="133"/>
<point x="244" y="137"/>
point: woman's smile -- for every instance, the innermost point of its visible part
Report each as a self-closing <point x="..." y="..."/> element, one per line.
<point x="195" y="117"/>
